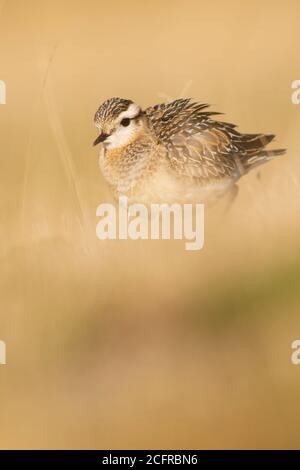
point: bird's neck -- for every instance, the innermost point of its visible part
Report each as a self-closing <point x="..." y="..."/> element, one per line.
<point x="125" y="166"/>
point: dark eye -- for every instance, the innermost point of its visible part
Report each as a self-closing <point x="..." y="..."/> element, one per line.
<point x="125" y="122"/>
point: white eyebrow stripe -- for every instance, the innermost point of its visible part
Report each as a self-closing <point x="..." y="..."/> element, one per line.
<point x="132" y="111"/>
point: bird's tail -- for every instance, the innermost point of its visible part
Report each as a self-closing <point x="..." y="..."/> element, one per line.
<point x="255" y="153"/>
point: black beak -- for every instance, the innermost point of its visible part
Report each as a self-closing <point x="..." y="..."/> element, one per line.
<point x="100" y="138"/>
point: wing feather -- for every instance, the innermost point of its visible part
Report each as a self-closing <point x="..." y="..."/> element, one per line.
<point x="200" y="147"/>
<point x="196" y="145"/>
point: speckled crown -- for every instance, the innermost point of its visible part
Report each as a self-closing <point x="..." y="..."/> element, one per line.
<point x="111" y="108"/>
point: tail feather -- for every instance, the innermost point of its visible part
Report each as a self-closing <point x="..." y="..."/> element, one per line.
<point x="262" y="157"/>
<point x="255" y="142"/>
<point x="253" y="151"/>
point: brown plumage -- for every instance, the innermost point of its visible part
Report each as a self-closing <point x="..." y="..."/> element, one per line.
<point x="174" y="151"/>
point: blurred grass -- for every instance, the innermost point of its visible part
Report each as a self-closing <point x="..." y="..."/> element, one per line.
<point x="142" y="344"/>
<point x="237" y="301"/>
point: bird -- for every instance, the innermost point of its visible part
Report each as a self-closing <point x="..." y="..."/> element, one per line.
<point x="174" y="152"/>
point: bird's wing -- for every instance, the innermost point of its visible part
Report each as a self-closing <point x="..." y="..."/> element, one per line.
<point x="198" y="146"/>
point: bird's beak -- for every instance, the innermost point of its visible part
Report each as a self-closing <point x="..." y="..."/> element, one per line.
<point x="100" y="138"/>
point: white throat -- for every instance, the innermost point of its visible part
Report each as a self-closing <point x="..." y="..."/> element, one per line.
<point x="120" y="138"/>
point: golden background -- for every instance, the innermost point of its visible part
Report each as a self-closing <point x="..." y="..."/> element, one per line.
<point x="143" y="344"/>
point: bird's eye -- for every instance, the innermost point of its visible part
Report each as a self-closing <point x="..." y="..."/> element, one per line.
<point x="125" y="122"/>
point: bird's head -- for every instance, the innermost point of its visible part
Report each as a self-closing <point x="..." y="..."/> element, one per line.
<point x="119" y="121"/>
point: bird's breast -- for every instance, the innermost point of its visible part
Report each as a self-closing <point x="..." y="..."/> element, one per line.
<point x="125" y="168"/>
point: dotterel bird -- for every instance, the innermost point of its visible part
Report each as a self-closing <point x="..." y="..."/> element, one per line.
<point x="174" y="152"/>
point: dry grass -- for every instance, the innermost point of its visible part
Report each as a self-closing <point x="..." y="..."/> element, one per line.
<point x="142" y="344"/>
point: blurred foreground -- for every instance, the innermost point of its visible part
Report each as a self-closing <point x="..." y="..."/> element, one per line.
<point x="143" y="344"/>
